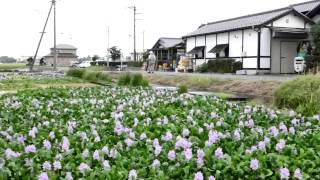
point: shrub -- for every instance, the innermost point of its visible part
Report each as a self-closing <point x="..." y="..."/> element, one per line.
<point x="133" y="80"/>
<point x="182" y="89"/>
<point x="74" y="72"/>
<point x="135" y="64"/>
<point x="221" y="66"/>
<point x="94" y="63"/>
<point x="124" y="80"/>
<point x="301" y="95"/>
<point x="97" y="77"/>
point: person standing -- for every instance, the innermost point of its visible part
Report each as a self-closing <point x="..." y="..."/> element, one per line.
<point x="152" y="62"/>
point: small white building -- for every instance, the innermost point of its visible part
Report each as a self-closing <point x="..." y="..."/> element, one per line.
<point x="67" y="54"/>
<point x="266" y="42"/>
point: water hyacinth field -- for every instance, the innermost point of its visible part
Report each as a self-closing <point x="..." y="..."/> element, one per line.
<point x="135" y="133"/>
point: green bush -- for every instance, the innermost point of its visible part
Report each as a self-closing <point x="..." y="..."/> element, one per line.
<point x="221" y="66"/>
<point x="182" y="89"/>
<point x="124" y="80"/>
<point x="133" y="80"/>
<point x="135" y="64"/>
<point x="98" y="77"/>
<point x="75" y="72"/>
<point x="301" y="95"/>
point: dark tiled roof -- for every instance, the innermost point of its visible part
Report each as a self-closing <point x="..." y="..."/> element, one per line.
<point x="166" y="43"/>
<point x="65" y="46"/>
<point x="252" y="20"/>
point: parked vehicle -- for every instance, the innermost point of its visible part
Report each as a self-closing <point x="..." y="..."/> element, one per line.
<point x="84" y="64"/>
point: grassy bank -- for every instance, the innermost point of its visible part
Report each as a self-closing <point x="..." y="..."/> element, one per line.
<point x="301" y="95"/>
<point x="4" y="67"/>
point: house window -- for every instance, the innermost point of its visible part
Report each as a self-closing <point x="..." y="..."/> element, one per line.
<point x="200" y="55"/>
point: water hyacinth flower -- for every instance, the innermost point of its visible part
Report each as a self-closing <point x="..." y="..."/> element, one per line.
<point x="254" y="164"/>
<point x="106" y="165"/>
<point x="198" y="176"/>
<point x="52" y="135"/>
<point x="43" y="176"/>
<point x="28" y="162"/>
<point x="47" y="144"/>
<point x="83" y="168"/>
<point x="143" y="136"/>
<point x="171" y="155"/>
<point x="157" y="150"/>
<point x="9" y="153"/>
<point x="297" y="174"/>
<point x="85" y="153"/>
<point x="218" y="153"/>
<point x="65" y="144"/>
<point x="21" y="139"/>
<point x="211" y="178"/>
<point x="156" y="163"/>
<point x="57" y="165"/>
<point x="284" y="173"/>
<point x="292" y="130"/>
<point x="213" y="138"/>
<point x="237" y="135"/>
<point x="96" y="155"/>
<point x="69" y="176"/>
<point x="185" y="132"/>
<point x="105" y="150"/>
<point x="46" y="166"/>
<point x="262" y="145"/>
<point x="132" y="175"/>
<point x="129" y="142"/>
<point x="281" y="145"/>
<point x="30" y="149"/>
<point x="168" y="136"/>
<point x="33" y="132"/>
<point x="188" y="154"/>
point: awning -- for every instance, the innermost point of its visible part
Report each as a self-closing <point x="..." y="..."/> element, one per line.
<point x="196" y="50"/>
<point x="218" y="48"/>
<point x="290" y="33"/>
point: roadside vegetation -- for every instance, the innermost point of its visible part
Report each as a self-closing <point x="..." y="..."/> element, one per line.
<point x="5" y="67"/>
<point x="93" y="76"/>
<point x="301" y="95"/>
<point x="133" y="80"/>
<point x="26" y="82"/>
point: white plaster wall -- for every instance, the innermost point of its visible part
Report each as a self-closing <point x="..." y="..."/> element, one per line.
<point x="190" y="43"/>
<point x="290" y="20"/>
<point x="235" y="44"/>
<point x="211" y="43"/>
<point x="265" y="42"/>
<point x="249" y="63"/>
<point x="223" y="38"/>
<point x="250" y="42"/>
<point x="265" y="63"/>
<point x="200" y="41"/>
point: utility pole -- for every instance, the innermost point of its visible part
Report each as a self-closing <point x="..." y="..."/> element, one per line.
<point x="55" y="38"/>
<point x="134" y="32"/>
<point x="143" y="41"/>
<point x="108" y="46"/>
<point x="42" y="33"/>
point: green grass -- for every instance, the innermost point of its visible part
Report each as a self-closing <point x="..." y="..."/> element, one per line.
<point x="23" y="82"/>
<point x="301" y="95"/>
<point x="95" y="68"/>
<point x="223" y="95"/>
<point x="133" y="80"/>
<point x="12" y="66"/>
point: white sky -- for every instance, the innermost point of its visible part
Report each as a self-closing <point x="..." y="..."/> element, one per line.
<point x="83" y="23"/>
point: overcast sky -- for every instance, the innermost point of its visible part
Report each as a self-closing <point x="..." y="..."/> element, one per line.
<point x="83" y="23"/>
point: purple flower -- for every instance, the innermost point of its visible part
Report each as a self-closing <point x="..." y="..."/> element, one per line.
<point x="185" y="132"/>
<point x="171" y="155"/>
<point x="28" y="162"/>
<point x="297" y="174"/>
<point x="237" y="135"/>
<point x="254" y="164"/>
<point x="143" y="136"/>
<point x="262" y="145"/>
<point x="21" y="139"/>
<point x="43" y="176"/>
<point x="85" y="153"/>
<point x="30" y="149"/>
<point x="65" y="144"/>
<point x="274" y="131"/>
<point x="292" y="130"/>
<point x="218" y="153"/>
<point x="46" y="166"/>
<point x="281" y="145"/>
<point x="213" y="138"/>
<point x="129" y="142"/>
<point x="156" y="163"/>
<point x="182" y="143"/>
<point x="47" y="144"/>
<point x="188" y="154"/>
<point x="57" y="165"/>
<point x="11" y="154"/>
<point x="33" y="132"/>
<point x="200" y="163"/>
<point x="132" y="174"/>
<point x="198" y="176"/>
<point x="52" y="135"/>
<point x="200" y="154"/>
<point x="157" y="150"/>
<point x="106" y="165"/>
<point x="167" y="137"/>
<point x="211" y="178"/>
<point x="105" y="150"/>
<point x="83" y="167"/>
<point x="69" y="176"/>
<point x="96" y="155"/>
<point x="284" y="173"/>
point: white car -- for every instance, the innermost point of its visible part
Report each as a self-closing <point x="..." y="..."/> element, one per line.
<point x="84" y="64"/>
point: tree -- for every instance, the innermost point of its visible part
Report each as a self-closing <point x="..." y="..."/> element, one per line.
<point x="115" y="53"/>
<point x="6" y="59"/>
<point x="315" y="31"/>
<point x="95" y="58"/>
